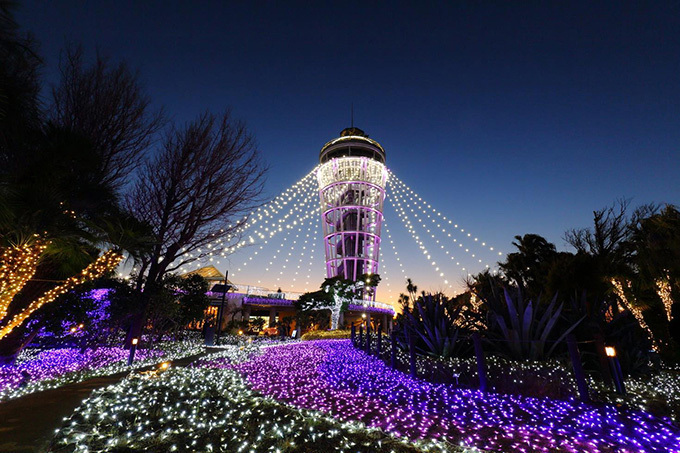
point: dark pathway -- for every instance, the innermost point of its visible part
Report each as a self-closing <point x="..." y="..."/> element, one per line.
<point x="27" y="424"/>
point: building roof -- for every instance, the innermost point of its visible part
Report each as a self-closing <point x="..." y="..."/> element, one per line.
<point x="352" y="142"/>
<point x="210" y="273"/>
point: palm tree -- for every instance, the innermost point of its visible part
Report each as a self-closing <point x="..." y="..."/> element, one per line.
<point x="412" y="290"/>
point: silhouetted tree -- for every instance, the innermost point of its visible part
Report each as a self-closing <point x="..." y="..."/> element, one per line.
<point x="105" y="104"/>
<point x="205" y="177"/>
<point x="529" y="266"/>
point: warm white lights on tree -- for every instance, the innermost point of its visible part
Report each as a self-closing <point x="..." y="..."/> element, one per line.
<point x="18" y="266"/>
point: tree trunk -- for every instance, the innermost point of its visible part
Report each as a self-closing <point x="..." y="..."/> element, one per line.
<point x="12" y="345"/>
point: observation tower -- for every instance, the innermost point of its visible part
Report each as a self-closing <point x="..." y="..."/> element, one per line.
<point x="352" y="178"/>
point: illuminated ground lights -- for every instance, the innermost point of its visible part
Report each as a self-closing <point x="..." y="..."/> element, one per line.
<point x="264" y="397"/>
<point x="208" y="409"/>
<point x="36" y="371"/>
<point x="333" y="377"/>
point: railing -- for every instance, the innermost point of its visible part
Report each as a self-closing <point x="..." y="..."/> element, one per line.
<point x="372" y="304"/>
<point x="268" y="295"/>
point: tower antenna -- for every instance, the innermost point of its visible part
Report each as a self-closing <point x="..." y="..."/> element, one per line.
<point x="352" y="115"/>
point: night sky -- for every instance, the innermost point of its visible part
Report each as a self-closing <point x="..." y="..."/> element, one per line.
<point x="507" y="119"/>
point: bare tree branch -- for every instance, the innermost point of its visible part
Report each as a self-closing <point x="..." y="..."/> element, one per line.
<point x="207" y="175"/>
<point x="610" y="229"/>
<point x="106" y="104"/>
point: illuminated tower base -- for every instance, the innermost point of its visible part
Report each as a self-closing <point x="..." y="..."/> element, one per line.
<point x="352" y="180"/>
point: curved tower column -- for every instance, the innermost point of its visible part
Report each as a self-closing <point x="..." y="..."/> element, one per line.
<point x="352" y="180"/>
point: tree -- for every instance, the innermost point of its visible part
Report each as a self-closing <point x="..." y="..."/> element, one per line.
<point x="337" y="293"/>
<point x="19" y="264"/>
<point x="529" y="266"/>
<point x="58" y="207"/>
<point x="105" y="104"/>
<point x="179" y="302"/>
<point x="20" y="110"/>
<point x="412" y="290"/>
<point x="608" y="237"/>
<point x="205" y="176"/>
<point x="654" y="245"/>
<point x="404" y="303"/>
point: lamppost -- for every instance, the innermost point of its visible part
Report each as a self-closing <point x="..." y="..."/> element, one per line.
<point x="133" y="348"/>
<point x="220" y="312"/>
<point x="616" y="369"/>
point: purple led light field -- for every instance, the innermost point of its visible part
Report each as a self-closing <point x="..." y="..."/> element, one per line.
<point x="332" y="376"/>
<point x="54" y="363"/>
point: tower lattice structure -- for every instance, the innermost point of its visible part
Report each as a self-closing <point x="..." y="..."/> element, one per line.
<point x="352" y="178"/>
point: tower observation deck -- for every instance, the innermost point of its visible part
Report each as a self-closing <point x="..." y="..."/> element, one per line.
<point x="352" y="177"/>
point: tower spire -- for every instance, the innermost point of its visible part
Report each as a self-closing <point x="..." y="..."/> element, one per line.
<point x="352" y="116"/>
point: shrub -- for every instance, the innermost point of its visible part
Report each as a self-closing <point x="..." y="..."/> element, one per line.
<point x="433" y="322"/>
<point x="326" y="335"/>
<point x="526" y="330"/>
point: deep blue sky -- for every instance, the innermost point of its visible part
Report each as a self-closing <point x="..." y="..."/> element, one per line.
<point x="508" y="119"/>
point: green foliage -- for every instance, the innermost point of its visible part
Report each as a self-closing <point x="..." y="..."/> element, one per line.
<point x="336" y="293"/>
<point x="312" y="320"/>
<point x="338" y="288"/>
<point x="314" y="300"/>
<point x="251" y="327"/>
<point x="54" y="181"/>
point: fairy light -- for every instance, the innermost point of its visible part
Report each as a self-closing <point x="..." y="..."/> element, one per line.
<point x="279" y="226"/>
<point x="257" y="398"/>
<point x="305" y="244"/>
<point x="277" y="204"/>
<point x="416" y="200"/>
<point x="260" y="216"/>
<point x="316" y="239"/>
<point x="401" y="213"/>
<point x="333" y="377"/>
<point x="394" y="250"/>
<point x="400" y="192"/>
<point x="282" y="249"/>
<point x="637" y="313"/>
<point x="399" y="196"/>
<point x="209" y="407"/>
<point x="54" y="368"/>
<point x="107" y="262"/>
<point x="19" y="264"/>
<point x="663" y="290"/>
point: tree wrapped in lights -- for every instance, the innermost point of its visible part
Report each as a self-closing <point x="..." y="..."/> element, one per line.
<point x="337" y="293"/>
<point x="18" y="266"/>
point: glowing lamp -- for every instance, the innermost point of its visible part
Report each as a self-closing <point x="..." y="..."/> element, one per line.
<point x="164" y="365"/>
<point x="135" y="341"/>
<point x="73" y="329"/>
<point x="240" y="332"/>
<point x="610" y="351"/>
<point x="363" y="315"/>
